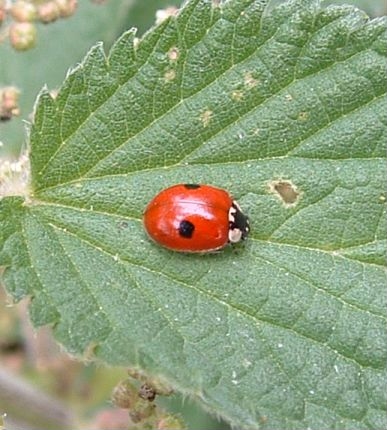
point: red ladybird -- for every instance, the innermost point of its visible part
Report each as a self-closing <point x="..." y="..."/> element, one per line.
<point x="195" y="218"/>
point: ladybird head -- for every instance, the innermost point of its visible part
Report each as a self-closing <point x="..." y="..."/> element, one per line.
<point x="191" y="186"/>
<point x="239" y="226"/>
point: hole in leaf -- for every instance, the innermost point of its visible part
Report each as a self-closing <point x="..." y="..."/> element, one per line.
<point x="286" y="191"/>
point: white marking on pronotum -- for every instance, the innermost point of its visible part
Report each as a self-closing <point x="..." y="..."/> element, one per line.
<point x="236" y="205"/>
<point x="231" y="214"/>
<point x="234" y="235"/>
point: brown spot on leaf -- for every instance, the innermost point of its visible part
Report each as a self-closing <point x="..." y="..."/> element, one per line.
<point x="205" y="117"/>
<point x="173" y="54"/>
<point x="169" y="75"/>
<point x="303" y="116"/>
<point x="250" y="81"/>
<point x="237" y="95"/>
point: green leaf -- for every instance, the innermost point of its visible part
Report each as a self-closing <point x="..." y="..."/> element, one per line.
<point x="284" y="108"/>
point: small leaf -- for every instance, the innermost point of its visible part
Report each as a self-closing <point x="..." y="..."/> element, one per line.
<point x="284" y="108"/>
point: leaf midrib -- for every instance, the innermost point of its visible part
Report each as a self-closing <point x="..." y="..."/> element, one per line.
<point x="332" y="253"/>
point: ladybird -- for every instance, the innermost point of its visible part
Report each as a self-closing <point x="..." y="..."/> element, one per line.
<point x="195" y="218"/>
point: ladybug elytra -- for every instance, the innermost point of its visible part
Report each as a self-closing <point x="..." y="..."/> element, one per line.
<point x="195" y="218"/>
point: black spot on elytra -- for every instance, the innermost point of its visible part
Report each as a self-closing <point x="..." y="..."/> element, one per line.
<point x="186" y="229"/>
<point x="191" y="186"/>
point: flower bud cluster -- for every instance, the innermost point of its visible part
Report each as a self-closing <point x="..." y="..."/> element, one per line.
<point x="137" y="394"/>
<point x="24" y="14"/>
